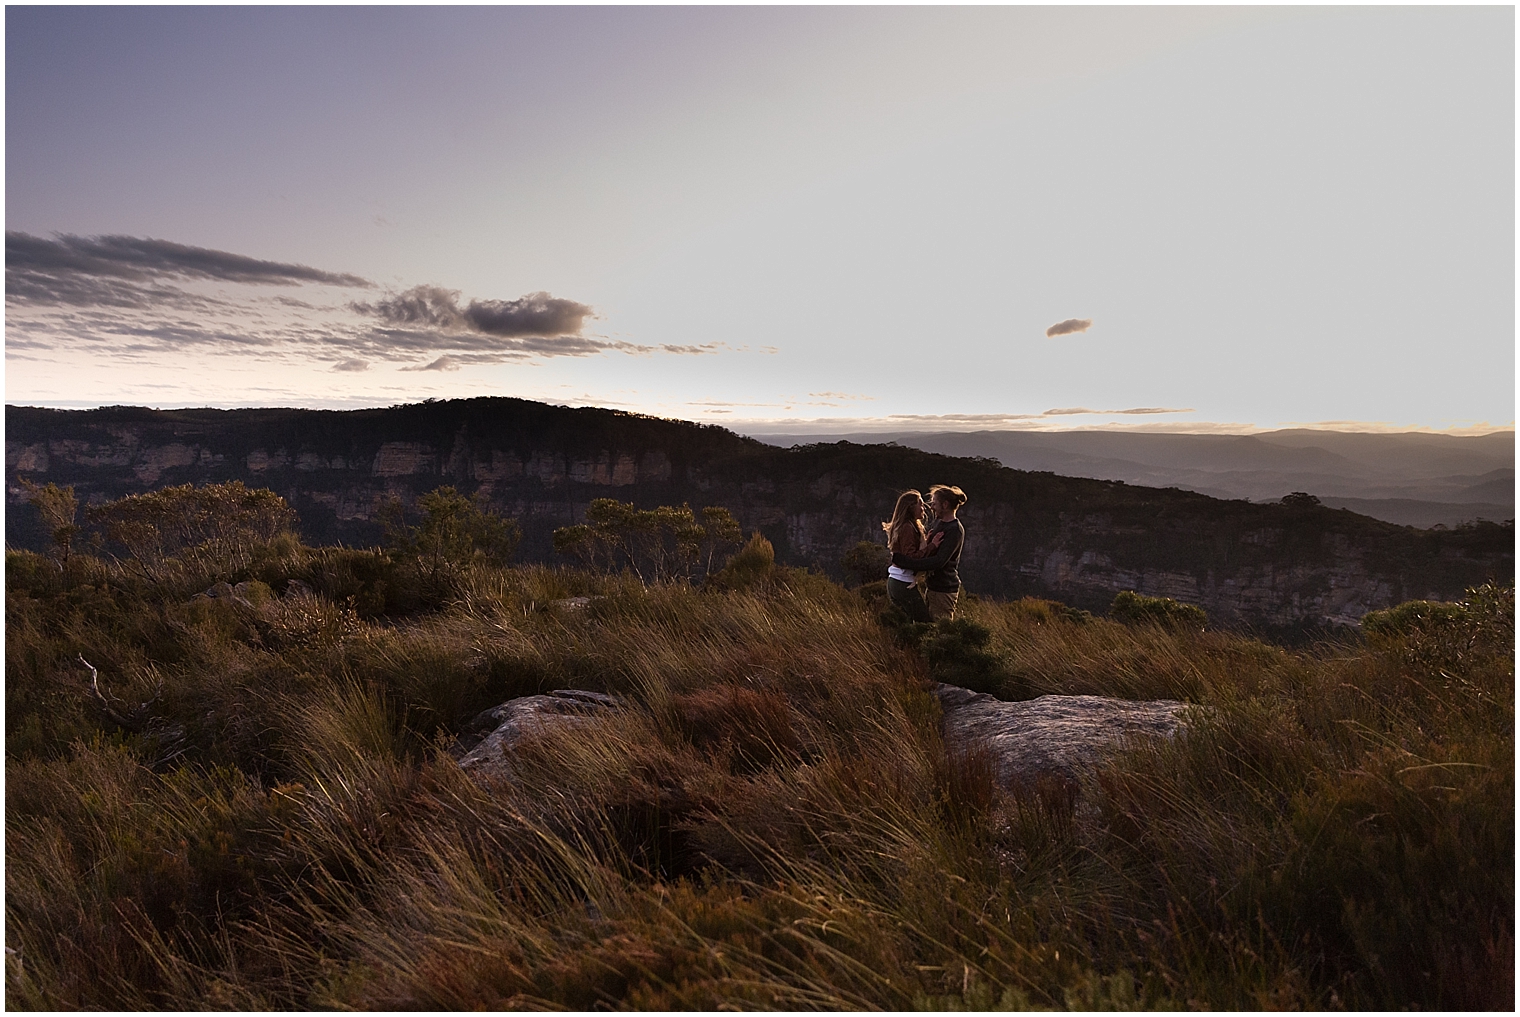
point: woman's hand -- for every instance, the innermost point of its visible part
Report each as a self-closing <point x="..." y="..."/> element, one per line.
<point x="935" y="540"/>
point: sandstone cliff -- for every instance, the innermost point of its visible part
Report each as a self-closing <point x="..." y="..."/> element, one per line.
<point x="1080" y="541"/>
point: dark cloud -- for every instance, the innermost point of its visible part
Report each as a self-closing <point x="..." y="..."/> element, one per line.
<point x="141" y="259"/>
<point x="131" y="295"/>
<point x="1069" y="326"/>
<point x="535" y="315"/>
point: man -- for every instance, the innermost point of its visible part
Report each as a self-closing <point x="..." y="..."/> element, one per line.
<point x="944" y="579"/>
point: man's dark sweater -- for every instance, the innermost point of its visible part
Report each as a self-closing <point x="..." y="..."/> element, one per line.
<point x="941" y="565"/>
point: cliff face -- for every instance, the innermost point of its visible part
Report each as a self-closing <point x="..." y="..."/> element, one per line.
<point x="1081" y="541"/>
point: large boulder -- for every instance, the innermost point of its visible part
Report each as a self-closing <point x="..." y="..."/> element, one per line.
<point x="1052" y="736"/>
<point x="489" y="740"/>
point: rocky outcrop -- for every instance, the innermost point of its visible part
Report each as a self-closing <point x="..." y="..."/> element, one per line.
<point x="1271" y="567"/>
<point x="485" y="748"/>
<point x="1063" y="737"/>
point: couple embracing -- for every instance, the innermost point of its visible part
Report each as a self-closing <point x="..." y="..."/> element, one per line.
<point x="935" y="550"/>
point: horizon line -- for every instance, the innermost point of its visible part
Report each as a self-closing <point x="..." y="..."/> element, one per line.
<point x="890" y="424"/>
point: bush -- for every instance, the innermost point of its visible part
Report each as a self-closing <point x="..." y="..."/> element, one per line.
<point x="455" y="533"/>
<point x="197" y="533"/>
<point x="751" y="564"/>
<point x="657" y="545"/>
<point x="958" y="654"/>
<point x="1411" y="617"/>
<point x="1137" y="609"/>
<point x="866" y="563"/>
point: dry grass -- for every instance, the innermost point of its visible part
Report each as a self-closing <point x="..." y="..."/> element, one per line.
<point x="770" y="821"/>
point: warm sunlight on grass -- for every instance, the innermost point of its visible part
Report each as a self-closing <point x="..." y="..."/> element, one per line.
<point x="770" y="819"/>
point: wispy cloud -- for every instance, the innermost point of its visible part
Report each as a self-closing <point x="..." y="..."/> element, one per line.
<point x="122" y="271"/>
<point x="1137" y="411"/>
<point x="1068" y="326"/>
<point x="140" y="297"/>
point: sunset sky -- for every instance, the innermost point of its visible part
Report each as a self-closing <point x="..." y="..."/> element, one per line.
<point x="866" y="217"/>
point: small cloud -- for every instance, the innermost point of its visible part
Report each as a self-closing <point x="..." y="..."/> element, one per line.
<point x="1069" y="326"/>
<point x="691" y="351"/>
<point x="537" y="315"/>
<point x="840" y="395"/>
<point x="443" y="363"/>
<point x="352" y="364"/>
<point x="1138" y="410"/>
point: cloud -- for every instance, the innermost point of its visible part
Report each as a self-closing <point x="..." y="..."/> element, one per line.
<point x="1140" y="410"/>
<point x="443" y="363"/>
<point x="123" y="271"/>
<point x="1069" y="326"/>
<point x="142" y="299"/>
<point x="537" y="315"/>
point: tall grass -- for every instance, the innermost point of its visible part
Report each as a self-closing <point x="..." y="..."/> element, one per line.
<point x="771" y="819"/>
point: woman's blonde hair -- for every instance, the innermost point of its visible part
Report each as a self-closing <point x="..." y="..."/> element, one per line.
<point x="902" y="514"/>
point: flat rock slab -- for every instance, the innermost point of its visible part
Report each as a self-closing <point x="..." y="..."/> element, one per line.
<point x="1053" y="735"/>
<point x="530" y="716"/>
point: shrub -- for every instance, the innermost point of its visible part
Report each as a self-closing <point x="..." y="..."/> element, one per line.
<point x="658" y="544"/>
<point x="1411" y="617"/>
<point x="1137" y="609"/>
<point x="455" y="533"/>
<point x="751" y="564"/>
<point x="59" y="510"/>
<point x="958" y="654"/>
<point x="866" y="563"/>
<point x="212" y="532"/>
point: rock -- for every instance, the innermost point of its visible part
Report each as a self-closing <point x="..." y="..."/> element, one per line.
<point x="572" y="603"/>
<point x="508" y="724"/>
<point x="1061" y="736"/>
<point x="248" y="593"/>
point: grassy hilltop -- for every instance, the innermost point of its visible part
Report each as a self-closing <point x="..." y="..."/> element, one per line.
<point x="255" y="805"/>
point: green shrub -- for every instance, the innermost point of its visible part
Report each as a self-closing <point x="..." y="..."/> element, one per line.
<point x="866" y="563"/>
<point x="1137" y="609"/>
<point x="1410" y="617"/>
<point x="196" y="534"/>
<point x="958" y="654"/>
<point x="751" y="564"/>
<point x="657" y="545"/>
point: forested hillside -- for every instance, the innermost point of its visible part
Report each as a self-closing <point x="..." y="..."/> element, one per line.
<point x="1280" y="567"/>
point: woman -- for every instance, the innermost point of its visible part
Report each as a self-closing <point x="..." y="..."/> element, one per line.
<point x="906" y="537"/>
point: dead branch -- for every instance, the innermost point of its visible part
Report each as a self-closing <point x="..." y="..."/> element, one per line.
<point x="133" y="720"/>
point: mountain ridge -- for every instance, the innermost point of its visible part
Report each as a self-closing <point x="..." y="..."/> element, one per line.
<point x="1029" y="532"/>
<point x="1454" y="479"/>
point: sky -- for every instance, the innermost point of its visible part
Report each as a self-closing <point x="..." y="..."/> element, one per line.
<point x="783" y="219"/>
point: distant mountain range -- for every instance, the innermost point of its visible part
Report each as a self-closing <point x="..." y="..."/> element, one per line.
<point x="1411" y="478"/>
<point x="1274" y="567"/>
